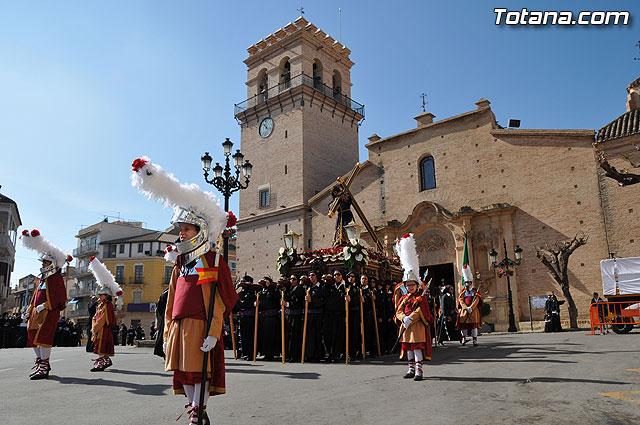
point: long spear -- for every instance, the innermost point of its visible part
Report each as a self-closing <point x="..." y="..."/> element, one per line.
<point x="255" y="328"/>
<point x="375" y="322"/>
<point x="304" y="331"/>
<point x="212" y="299"/>
<point x="233" y="336"/>
<point x="282" y="322"/>
<point x="362" y="324"/>
<point x="346" y="310"/>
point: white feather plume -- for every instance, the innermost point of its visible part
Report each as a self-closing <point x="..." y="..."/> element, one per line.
<point x="171" y="254"/>
<point x="104" y="277"/>
<point x="42" y="246"/>
<point x="154" y="182"/>
<point x="406" y="249"/>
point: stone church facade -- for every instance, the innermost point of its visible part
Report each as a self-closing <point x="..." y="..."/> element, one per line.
<point x="440" y="180"/>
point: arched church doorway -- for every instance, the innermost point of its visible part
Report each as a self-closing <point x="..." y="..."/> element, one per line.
<point x="441" y="274"/>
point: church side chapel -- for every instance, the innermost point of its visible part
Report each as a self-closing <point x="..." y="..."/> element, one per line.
<point x="444" y="180"/>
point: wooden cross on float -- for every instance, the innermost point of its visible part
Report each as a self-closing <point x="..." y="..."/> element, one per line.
<point x="345" y="185"/>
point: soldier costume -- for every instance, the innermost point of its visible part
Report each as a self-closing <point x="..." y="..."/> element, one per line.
<point x="48" y="301"/>
<point x="197" y="266"/>
<point x="470" y="302"/>
<point x="413" y="313"/>
<point x="104" y="320"/>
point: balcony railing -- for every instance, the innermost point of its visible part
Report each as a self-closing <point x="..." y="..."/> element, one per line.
<point x="85" y="250"/>
<point x="300" y="80"/>
<point x="81" y="292"/>
<point x="80" y="271"/>
<point x="134" y="281"/>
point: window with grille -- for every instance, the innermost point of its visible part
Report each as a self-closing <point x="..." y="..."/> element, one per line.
<point x="167" y="274"/>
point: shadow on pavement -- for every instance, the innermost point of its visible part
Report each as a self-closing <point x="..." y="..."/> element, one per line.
<point x="139" y="389"/>
<point x="135" y="372"/>
<point x="524" y="381"/>
<point x="292" y="375"/>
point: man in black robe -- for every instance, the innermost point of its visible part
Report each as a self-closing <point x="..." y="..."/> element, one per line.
<point x="368" y="295"/>
<point x="448" y="315"/>
<point x="92" y="311"/>
<point x="161" y="307"/>
<point x="245" y="307"/>
<point x="334" y="316"/>
<point x="294" y="308"/>
<point x="124" y="332"/>
<point x="355" y="334"/>
<point x="314" y="351"/>
<point x="552" y="307"/>
<point x="268" y="322"/>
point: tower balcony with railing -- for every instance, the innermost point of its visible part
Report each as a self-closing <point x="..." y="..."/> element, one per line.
<point x="291" y="90"/>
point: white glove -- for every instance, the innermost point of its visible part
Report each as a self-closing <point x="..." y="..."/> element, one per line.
<point x="406" y="320"/>
<point x="209" y="343"/>
<point x="469" y="310"/>
<point x="24" y="316"/>
<point x="39" y="308"/>
<point x="164" y="347"/>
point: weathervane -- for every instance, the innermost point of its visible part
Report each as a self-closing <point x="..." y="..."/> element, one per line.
<point x="301" y="10"/>
<point x="637" y="44"/>
<point x="424" y="101"/>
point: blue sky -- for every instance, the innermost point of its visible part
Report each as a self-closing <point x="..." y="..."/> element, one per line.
<point x="86" y="87"/>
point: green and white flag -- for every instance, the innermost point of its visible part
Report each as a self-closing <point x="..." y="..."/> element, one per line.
<point x="467" y="276"/>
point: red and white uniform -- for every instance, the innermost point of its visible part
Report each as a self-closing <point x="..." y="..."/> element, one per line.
<point x="186" y="319"/>
<point x="41" y="327"/>
<point x="101" y="325"/>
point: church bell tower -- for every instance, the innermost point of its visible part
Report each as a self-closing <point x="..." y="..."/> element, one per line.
<point x="300" y="131"/>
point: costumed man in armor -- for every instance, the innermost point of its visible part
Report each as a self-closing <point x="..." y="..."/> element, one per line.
<point x="48" y="301"/>
<point x="104" y="320"/>
<point x="470" y="302"/>
<point x="314" y="350"/>
<point x="192" y="294"/>
<point x="413" y="314"/>
<point x="343" y="213"/>
<point x="269" y="320"/>
<point x="245" y="307"/>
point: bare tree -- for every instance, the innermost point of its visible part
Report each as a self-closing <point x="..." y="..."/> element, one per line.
<point x="556" y="259"/>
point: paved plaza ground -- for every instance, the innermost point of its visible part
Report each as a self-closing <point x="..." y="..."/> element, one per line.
<point x="522" y="378"/>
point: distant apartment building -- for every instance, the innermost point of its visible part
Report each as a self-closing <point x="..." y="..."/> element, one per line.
<point x="9" y="223"/>
<point x="89" y="244"/>
<point x="138" y="264"/>
<point x="21" y="294"/>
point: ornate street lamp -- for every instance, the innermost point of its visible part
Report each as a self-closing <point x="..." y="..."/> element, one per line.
<point x="353" y="231"/>
<point x="225" y="181"/>
<point x="291" y="240"/>
<point x="505" y="265"/>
